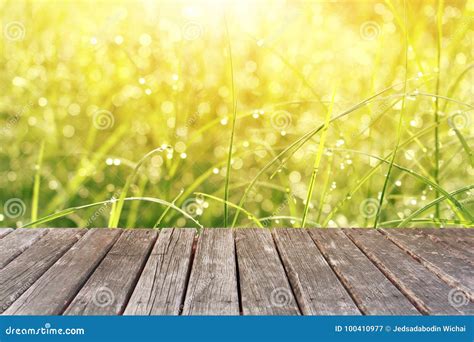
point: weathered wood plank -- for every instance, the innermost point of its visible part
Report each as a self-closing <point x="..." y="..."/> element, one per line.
<point x="316" y="287"/>
<point x="459" y="232"/>
<point x="160" y="289"/>
<point x="370" y="289"/>
<point x="51" y="293"/>
<point x="23" y="271"/>
<point x="429" y="293"/>
<point x="212" y="288"/>
<point x="110" y="286"/>
<point x="452" y="268"/>
<point x="15" y="243"/>
<point x="5" y="231"/>
<point x="457" y="241"/>
<point x="264" y="286"/>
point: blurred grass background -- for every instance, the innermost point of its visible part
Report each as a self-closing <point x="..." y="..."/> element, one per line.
<point x="88" y="88"/>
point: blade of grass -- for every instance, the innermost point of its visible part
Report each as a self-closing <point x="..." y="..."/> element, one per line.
<point x="361" y="181"/>
<point x="132" y="216"/>
<point x="458" y="205"/>
<point x="410" y="217"/>
<point x="86" y="165"/>
<point x="234" y="115"/>
<point x="465" y="146"/>
<point x="439" y="23"/>
<point x="318" y="158"/>
<point x="298" y="144"/>
<point x="116" y="211"/>
<point x="322" y="198"/>
<point x="36" y="185"/>
<point x="72" y="210"/>
<point x="167" y="209"/>
<point x="290" y="218"/>
<point x="400" y="124"/>
<point x="230" y="204"/>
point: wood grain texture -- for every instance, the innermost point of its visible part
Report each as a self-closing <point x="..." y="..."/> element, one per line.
<point x="5" y="232"/>
<point x="429" y="293"/>
<point x="161" y="287"/>
<point x="310" y="275"/>
<point x="452" y="268"/>
<point x="15" y="243"/>
<point x="370" y="289"/>
<point x="212" y="288"/>
<point x="457" y="241"/>
<point x="110" y="286"/>
<point x="51" y="293"/>
<point x="23" y="271"/>
<point x="264" y="286"/>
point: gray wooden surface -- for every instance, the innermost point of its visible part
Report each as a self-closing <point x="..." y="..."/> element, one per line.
<point x="52" y="292"/>
<point x="110" y="286"/>
<point x="451" y="267"/>
<point x="161" y="288"/>
<point x="370" y="289"/>
<point x="13" y="244"/>
<point x="5" y="231"/>
<point x="212" y="288"/>
<point x="21" y="273"/>
<point x="311" y="276"/>
<point x="424" y="288"/>
<point x="230" y="272"/>
<point x="264" y="286"/>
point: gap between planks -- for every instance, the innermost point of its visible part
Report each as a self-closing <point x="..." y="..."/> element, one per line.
<point x="286" y="260"/>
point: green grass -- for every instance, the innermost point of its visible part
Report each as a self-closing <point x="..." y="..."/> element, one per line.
<point x="238" y="119"/>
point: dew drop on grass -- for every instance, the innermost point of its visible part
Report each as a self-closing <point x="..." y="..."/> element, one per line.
<point x="409" y="155"/>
